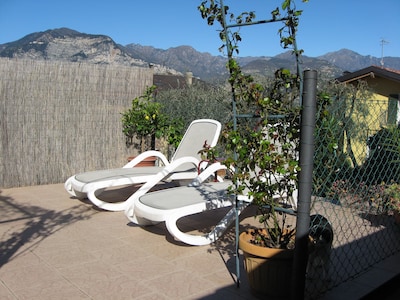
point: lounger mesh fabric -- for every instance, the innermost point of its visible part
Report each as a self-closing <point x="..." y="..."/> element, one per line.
<point x="185" y="196"/>
<point x="120" y="173"/>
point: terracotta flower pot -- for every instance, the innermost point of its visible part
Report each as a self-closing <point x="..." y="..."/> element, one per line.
<point x="269" y="270"/>
<point x="147" y="162"/>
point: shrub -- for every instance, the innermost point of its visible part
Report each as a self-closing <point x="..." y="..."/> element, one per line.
<point x="383" y="162"/>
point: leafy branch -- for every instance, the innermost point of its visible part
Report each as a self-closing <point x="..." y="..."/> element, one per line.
<point x="263" y="148"/>
<point x="145" y="119"/>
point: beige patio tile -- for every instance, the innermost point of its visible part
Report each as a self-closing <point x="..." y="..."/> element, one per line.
<point x="57" y="247"/>
<point x="154" y="295"/>
<point x="118" y="228"/>
<point x="27" y="195"/>
<point x="189" y="284"/>
<point x="147" y="236"/>
<point x="34" y="276"/>
<point x="202" y="264"/>
<point x="62" y="292"/>
<point x="146" y="268"/>
<point x="54" y="244"/>
<point x="108" y="222"/>
<point x="97" y="240"/>
<point x="169" y="251"/>
<point x="122" y="287"/>
<point x="67" y="257"/>
<point x="222" y="277"/>
<point x="26" y="238"/>
<point x="12" y="220"/>
<point x="5" y="293"/>
<point x="85" y="273"/>
<point x="120" y="254"/>
<point x="20" y="259"/>
<point x="224" y="247"/>
<point x="67" y="234"/>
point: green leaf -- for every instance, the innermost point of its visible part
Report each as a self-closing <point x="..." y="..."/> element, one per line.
<point x="285" y="4"/>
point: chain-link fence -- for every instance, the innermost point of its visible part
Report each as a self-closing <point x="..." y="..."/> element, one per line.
<point x="355" y="185"/>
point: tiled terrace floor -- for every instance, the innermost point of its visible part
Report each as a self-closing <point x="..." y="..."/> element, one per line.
<point x="56" y="247"/>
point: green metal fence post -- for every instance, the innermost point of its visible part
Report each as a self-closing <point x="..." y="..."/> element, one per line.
<point x="305" y="183"/>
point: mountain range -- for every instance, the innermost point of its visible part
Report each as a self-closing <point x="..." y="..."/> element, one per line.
<point x="70" y="45"/>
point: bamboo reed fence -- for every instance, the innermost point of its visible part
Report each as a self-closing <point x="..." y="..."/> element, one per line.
<point x="61" y="118"/>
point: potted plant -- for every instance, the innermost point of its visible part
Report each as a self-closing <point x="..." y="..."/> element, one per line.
<point x="263" y="149"/>
<point x="144" y="121"/>
<point x="266" y="169"/>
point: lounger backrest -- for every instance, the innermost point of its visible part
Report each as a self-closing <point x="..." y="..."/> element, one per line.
<point x="198" y="132"/>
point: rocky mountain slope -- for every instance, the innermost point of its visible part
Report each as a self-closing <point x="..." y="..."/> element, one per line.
<point x="351" y="61"/>
<point x="69" y="45"/>
<point x="207" y="66"/>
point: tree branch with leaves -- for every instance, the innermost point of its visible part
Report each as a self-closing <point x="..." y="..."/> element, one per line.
<point x="262" y="140"/>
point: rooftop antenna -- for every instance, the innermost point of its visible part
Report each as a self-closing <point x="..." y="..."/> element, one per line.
<point x="383" y="43"/>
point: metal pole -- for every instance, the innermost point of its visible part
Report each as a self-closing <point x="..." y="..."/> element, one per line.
<point x="234" y="113"/>
<point x="305" y="184"/>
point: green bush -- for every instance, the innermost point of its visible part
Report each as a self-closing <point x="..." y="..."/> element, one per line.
<point x="198" y="101"/>
<point x="383" y="161"/>
<point x="145" y="120"/>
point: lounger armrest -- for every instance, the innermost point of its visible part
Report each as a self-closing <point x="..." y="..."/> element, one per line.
<point x="209" y="171"/>
<point x="166" y="171"/>
<point x="145" y="155"/>
<point x="172" y="166"/>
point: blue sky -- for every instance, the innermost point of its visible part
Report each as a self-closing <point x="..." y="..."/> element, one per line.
<point x="326" y="25"/>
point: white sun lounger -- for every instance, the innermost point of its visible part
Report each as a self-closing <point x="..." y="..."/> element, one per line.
<point x="91" y="184"/>
<point x="172" y="204"/>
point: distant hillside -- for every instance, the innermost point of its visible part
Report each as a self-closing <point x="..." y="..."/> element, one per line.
<point x="206" y="66"/>
<point x="267" y="67"/>
<point x="70" y="45"/>
<point x="183" y="59"/>
<point x="351" y="61"/>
